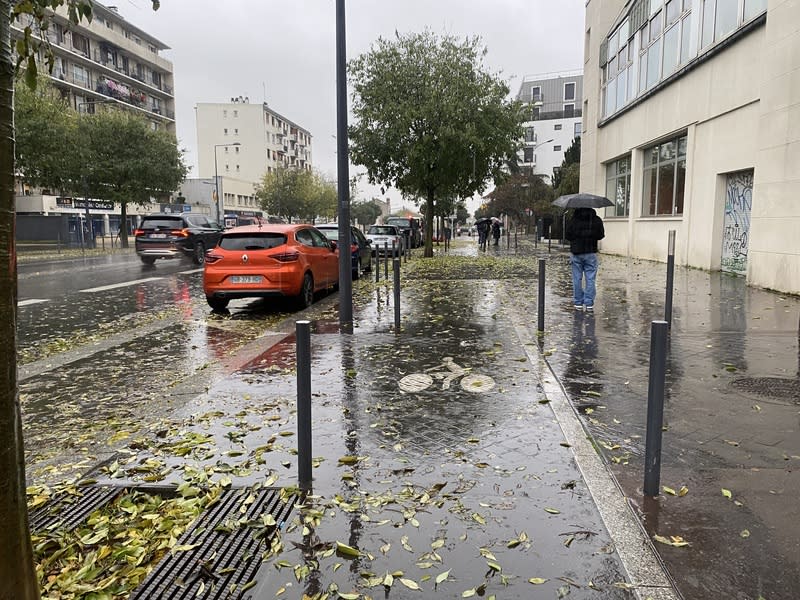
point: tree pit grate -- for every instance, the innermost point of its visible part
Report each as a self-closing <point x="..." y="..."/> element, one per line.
<point x="67" y="510"/>
<point x="780" y="388"/>
<point x="223" y="549"/>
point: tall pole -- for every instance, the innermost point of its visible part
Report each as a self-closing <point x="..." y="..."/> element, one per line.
<point x="216" y="187"/>
<point x="343" y="173"/>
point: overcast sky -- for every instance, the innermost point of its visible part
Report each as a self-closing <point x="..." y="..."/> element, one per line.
<point x="283" y="51"/>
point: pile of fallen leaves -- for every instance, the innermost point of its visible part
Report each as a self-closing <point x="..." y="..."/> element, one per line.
<point x="114" y="549"/>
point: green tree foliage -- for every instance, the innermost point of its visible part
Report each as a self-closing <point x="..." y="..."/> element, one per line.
<point x="566" y="179"/>
<point x="521" y="196"/>
<point x="429" y="119"/>
<point x="17" y="573"/>
<point x="297" y="194"/>
<point x="147" y="165"/>
<point x="45" y="132"/>
<point x="365" y="213"/>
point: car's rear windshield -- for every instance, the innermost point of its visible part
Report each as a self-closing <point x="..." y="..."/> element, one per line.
<point x="162" y="223"/>
<point x="252" y="241"/>
<point x="378" y="230"/>
<point x="330" y="233"/>
<point x="399" y="221"/>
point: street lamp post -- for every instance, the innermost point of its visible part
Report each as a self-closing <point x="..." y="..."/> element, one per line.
<point x="219" y="204"/>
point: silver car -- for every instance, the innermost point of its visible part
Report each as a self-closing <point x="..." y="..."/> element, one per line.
<point x="382" y="238"/>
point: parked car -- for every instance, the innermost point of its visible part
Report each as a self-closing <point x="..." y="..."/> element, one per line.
<point x="383" y="236"/>
<point x="262" y="261"/>
<point x="164" y="235"/>
<point x="410" y="227"/>
<point x="360" y="247"/>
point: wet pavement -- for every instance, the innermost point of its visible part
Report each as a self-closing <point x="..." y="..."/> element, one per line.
<point x="453" y="456"/>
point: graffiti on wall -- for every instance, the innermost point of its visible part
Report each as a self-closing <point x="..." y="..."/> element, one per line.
<point x="736" y="225"/>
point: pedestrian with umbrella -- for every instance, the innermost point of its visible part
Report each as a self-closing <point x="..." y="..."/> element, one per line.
<point x="483" y="225"/>
<point x="583" y="232"/>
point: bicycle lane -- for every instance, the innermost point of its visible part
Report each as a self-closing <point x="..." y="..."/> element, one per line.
<point x="461" y="488"/>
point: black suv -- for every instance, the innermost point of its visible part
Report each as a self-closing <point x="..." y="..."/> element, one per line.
<point x="166" y="235"/>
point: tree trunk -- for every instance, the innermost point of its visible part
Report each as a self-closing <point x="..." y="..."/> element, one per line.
<point x="17" y="572"/>
<point x="123" y="224"/>
<point x="429" y="225"/>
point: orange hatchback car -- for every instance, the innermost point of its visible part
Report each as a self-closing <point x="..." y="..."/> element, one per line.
<point x="260" y="261"/>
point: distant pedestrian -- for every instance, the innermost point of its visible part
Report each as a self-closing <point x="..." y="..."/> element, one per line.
<point x="483" y="233"/>
<point x="496" y="232"/>
<point x="584" y="230"/>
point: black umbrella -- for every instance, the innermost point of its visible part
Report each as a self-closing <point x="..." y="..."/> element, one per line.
<point x="582" y="201"/>
<point x="482" y="220"/>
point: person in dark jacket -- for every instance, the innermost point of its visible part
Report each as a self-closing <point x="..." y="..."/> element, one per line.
<point x="584" y="230"/>
<point x="496" y="232"/>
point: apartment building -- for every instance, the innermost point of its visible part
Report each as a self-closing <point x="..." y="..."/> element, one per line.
<point x="690" y="123"/>
<point x="105" y="61"/>
<point x="109" y="60"/>
<point x="553" y="108"/>
<point x="239" y="142"/>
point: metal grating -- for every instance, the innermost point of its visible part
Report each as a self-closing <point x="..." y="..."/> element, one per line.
<point x="223" y="561"/>
<point x="780" y="388"/>
<point x="67" y="510"/>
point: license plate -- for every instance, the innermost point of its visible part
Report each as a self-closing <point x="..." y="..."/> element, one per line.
<point x="246" y="279"/>
<point x="158" y="235"/>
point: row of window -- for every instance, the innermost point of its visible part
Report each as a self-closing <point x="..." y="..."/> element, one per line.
<point x="663" y="180"/>
<point x="569" y="92"/>
<point x="659" y="36"/>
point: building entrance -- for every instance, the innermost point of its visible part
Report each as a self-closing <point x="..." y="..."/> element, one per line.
<point x="736" y="225"/>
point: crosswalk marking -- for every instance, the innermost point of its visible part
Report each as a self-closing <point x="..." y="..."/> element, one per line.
<point x="30" y="301"/>
<point x="103" y="288"/>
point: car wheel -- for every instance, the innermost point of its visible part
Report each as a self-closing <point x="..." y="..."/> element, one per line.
<point x="148" y="260"/>
<point x="357" y="270"/>
<point x="217" y="303"/>
<point x="199" y="256"/>
<point x="306" y="297"/>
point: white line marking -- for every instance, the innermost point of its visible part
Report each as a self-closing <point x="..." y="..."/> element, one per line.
<point x="200" y="270"/>
<point x="32" y="301"/>
<point x="119" y="285"/>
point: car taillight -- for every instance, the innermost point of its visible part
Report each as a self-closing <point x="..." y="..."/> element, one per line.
<point x="138" y="232"/>
<point x="180" y="232"/>
<point x="211" y="258"/>
<point x="286" y="256"/>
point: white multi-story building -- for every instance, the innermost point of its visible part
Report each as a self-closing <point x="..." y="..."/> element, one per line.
<point x="243" y="141"/>
<point x="691" y="123"/>
<point x="553" y="107"/>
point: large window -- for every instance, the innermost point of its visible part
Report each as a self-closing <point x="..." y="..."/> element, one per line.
<point x="569" y="91"/>
<point x="664" y="178"/>
<point x="655" y="39"/>
<point x="618" y="187"/>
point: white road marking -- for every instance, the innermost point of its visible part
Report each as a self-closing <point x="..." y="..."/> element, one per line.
<point x="32" y="301"/>
<point x="200" y="270"/>
<point x="103" y="288"/>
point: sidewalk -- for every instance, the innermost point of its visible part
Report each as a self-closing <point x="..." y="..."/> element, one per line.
<point x="481" y="481"/>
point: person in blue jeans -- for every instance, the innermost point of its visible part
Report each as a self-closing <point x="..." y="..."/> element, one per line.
<point x="583" y="231"/>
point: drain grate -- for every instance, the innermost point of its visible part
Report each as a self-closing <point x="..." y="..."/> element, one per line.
<point x="780" y="388"/>
<point x="227" y="553"/>
<point x="68" y="510"/>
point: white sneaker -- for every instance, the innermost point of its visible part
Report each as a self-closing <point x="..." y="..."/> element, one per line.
<point x="579" y="307"/>
<point x="589" y="308"/>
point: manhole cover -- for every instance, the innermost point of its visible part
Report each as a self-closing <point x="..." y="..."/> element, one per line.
<point x="780" y="388"/>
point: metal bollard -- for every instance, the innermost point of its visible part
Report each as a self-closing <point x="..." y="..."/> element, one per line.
<point x="540" y="326"/>
<point x="303" y="334"/>
<point x="386" y="260"/>
<point x="396" y="266"/>
<point x="549" y="241"/>
<point x="670" y="277"/>
<point x="377" y="264"/>
<point x="655" y="407"/>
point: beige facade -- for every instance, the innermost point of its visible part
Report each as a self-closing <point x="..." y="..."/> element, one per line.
<point x="244" y="141"/>
<point x="692" y="124"/>
<point x="109" y="61"/>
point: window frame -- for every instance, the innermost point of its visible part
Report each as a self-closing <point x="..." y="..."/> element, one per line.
<point x="658" y="166"/>
<point x="614" y="174"/>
